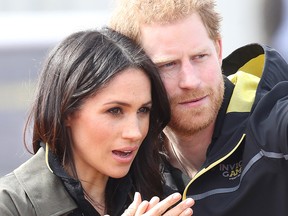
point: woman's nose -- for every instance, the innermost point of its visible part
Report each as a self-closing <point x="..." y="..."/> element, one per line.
<point x="132" y="130"/>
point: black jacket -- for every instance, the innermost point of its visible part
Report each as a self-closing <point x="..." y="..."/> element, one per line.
<point x="246" y="170"/>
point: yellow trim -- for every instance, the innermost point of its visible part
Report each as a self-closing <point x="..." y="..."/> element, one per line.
<point x="244" y="91"/>
<point x="201" y="172"/>
<point x="254" y="66"/>
<point x="246" y="81"/>
<point x="46" y="157"/>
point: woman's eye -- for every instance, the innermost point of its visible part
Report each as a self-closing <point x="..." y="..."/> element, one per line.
<point x="115" y="111"/>
<point x="144" y="110"/>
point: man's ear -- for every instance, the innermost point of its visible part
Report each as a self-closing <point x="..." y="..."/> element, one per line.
<point x="219" y="49"/>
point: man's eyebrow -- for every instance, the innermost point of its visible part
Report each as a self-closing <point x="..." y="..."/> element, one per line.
<point x="165" y="59"/>
<point x="160" y="60"/>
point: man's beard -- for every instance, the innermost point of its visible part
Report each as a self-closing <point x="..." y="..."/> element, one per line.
<point x="192" y="120"/>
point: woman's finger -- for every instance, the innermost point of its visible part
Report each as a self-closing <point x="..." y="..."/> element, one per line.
<point x="164" y="205"/>
<point x="132" y="208"/>
<point x="154" y="201"/>
<point x="182" y="209"/>
<point x="142" y="208"/>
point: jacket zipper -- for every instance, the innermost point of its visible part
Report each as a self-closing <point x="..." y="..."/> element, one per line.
<point x="206" y="169"/>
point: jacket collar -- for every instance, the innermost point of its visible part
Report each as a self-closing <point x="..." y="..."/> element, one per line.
<point x="44" y="189"/>
<point x="260" y="61"/>
<point x="117" y="188"/>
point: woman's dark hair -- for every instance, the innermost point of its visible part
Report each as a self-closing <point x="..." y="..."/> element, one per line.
<point x="77" y="68"/>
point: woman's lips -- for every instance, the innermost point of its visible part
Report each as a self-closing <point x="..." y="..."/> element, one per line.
<point x="122" y="153"/>
<point x="125" y="155"/>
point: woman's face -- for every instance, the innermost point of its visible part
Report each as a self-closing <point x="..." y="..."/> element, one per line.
<point x="110" y="126"/>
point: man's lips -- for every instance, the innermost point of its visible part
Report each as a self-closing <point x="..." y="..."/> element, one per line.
<point x="192" y="100"/>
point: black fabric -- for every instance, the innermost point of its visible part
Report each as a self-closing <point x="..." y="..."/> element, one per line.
<point x="118" y="189"/>
<point x="229" y="87"/>
<point x="239" y="57"/>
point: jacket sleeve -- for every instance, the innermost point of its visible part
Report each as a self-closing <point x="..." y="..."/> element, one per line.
<point x="269" y="120"/>
<point x="13" y="199"/>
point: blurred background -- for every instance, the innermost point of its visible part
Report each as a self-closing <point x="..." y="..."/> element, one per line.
<point x="30" y="28"/>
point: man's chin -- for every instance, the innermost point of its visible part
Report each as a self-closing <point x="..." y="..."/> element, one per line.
<point x="191" y="123"/>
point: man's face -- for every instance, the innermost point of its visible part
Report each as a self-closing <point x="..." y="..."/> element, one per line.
<point x="189" y="63"/>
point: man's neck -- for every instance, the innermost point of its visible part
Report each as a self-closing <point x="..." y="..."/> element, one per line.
<point x="188" y="153"/>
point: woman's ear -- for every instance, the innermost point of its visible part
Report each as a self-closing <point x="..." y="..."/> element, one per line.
<point x="67" y="120"/>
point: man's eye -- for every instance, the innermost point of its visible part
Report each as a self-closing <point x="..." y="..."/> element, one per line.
<point x="115" y="111"/>
<point x="201" y="56"/>
<point x="167" y="65"/>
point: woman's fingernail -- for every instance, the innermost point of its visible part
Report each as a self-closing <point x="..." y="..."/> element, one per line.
<point x="136" y="195"/>
<point x="189" y="201"/>
<point x="188" y="211"/>
<point x="176" y="196"/>
<point x="154" y="199"/>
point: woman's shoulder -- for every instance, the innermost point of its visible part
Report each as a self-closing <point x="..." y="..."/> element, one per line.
<point x="12" y="182"/>
<point x="15" y="187"/>
<point x="32" y="187"/>
<point x="13" y="198"/>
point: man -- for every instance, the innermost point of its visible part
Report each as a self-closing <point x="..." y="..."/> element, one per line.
<point x="227" y="142"/>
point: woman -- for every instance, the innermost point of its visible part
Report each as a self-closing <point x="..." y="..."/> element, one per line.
<point x="99" y="109"/>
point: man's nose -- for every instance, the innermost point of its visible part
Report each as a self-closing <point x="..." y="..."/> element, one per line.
<point x="188" y="76"/>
